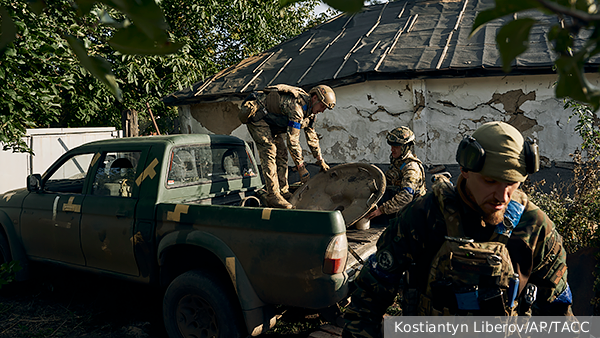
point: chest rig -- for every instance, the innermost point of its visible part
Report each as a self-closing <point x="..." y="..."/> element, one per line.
<point x="468" y="277"/>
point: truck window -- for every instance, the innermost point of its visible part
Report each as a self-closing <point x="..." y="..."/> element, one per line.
<point x="116" y="174"/>
<point x="70" y="176"/>
<point x="202" y="164"/>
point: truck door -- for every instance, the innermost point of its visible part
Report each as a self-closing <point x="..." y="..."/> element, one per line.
<point x="51" y="217"/>
<point x="107" y="226"/>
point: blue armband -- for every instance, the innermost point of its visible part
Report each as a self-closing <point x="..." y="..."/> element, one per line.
<point x="410" y="190"/>
<point x="566" y="297"/>
<point x="295" y="125"/>
<point x="513" y="214"/>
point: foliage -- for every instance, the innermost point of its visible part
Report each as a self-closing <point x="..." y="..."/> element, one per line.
<point x="50" y="70"/>
<point x="588" y="127"/>
<point x="576" y="16"/>
<point x="8" y="271"/>
<point x="575" y="206"/>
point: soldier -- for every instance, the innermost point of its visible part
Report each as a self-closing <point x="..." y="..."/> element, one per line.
<point x="271" y="115"/>
<point x="406" y="176"/>
<point x="477" y="248"/>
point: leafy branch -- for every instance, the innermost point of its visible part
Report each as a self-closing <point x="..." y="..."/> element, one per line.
<point x="513" y="39"/>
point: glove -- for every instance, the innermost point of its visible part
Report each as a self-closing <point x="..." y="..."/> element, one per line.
<point x="304" y="174"/>
<point x="323" y="165"/>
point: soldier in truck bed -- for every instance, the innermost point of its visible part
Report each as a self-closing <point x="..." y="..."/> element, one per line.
<point x="406" y="176"/>
<point x="281" y="111"/>
<point x="477" y="248"/>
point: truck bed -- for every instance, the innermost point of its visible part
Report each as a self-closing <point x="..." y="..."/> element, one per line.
<point x="363" y="243"/>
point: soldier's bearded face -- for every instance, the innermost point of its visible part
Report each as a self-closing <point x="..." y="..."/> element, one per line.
<point x="490" y="195"/>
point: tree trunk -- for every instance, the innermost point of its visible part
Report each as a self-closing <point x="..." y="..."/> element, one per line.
<point x="129" y="123"/>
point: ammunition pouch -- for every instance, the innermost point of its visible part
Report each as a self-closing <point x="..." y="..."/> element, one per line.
<point x="272" y="102"/>
<point x="251" y="110"/>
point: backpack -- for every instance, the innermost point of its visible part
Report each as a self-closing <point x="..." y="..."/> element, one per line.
<point x="468" y="277"/>
<point x="273" y="99"/>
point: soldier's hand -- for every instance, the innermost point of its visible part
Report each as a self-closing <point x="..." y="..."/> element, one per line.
<point x="323" y="165"/>
<point x="304" y="174"/>
<point x="374" y="213"/>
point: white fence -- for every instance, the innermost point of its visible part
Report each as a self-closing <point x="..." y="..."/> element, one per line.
<point x="48" y="144"/>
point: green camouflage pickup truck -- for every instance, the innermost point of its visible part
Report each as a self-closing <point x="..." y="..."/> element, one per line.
<point x="181" y="212"/>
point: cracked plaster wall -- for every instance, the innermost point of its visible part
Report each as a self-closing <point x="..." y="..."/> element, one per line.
<point x="440" y="112"/>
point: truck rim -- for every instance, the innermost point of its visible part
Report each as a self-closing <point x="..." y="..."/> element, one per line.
<point x="196" y="317"/>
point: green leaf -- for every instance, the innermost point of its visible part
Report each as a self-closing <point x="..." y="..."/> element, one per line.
<point x="572" y="82"/>
<point x="9" y="30"/>
<point x="36" y="6"/>
<point x="145" y="14"/>
<point x="513" y="39"/>
<point x="348" y="6"/>
<point x="84" y="6"/>
<point x="503" y="7"/>
<point x="562" y="38"/>
<point x="131" y="40"/>
<point x="108" y="20"/>
<point x="99" y="67"/>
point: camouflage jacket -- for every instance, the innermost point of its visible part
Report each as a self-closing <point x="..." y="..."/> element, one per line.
<point x="294" y="115"/>
<point x="406" y="177"/>
<point x="413" y="239"/>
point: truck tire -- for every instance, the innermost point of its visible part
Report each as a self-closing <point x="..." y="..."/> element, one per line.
<point x="197" y="304"/>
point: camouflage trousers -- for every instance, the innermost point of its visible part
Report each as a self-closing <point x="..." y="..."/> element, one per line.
<point x="273" y="154"/>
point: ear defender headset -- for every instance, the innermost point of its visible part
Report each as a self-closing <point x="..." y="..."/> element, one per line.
<point x="471" y="155"/>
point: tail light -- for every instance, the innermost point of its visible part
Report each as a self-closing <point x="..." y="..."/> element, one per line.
<point x="335" y="255"/>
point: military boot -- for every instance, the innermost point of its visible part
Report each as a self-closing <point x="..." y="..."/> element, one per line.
<point x="275" y="200"/>
<point x="287" y="195"/>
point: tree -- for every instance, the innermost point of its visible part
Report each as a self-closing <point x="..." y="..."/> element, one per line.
<point x="71" y="64"/>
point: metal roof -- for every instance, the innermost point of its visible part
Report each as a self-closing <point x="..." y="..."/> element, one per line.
<point x="404" y="39"/>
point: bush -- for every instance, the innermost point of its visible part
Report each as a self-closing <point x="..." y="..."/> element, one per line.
<point x="575" y="206"/>
<point x="8" y="271"/>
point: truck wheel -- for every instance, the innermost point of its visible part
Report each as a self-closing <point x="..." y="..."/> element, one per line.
<point x="197" y="305"/>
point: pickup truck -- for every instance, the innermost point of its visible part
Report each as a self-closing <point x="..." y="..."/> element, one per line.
<point x="182" y="212"/>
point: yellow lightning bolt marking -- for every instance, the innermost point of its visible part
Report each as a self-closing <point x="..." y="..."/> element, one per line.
<point x="69" y="206"/>
<point x="266" y="213"/>
<point x="96" y="157"/>
<point x="149" y="171"/>
<point x="175" y="215"/>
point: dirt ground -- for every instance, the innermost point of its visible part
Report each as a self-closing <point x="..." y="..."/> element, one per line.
<point x="66" y="304"/>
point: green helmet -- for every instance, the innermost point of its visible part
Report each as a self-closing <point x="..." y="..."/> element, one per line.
<point x="400" y="136"/>
<point x="325" y="95"/>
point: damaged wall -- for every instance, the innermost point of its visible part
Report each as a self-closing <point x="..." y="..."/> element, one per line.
<point x="440" y="112"/>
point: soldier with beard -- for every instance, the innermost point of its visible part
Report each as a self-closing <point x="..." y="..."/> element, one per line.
<point x="477" y="248"/>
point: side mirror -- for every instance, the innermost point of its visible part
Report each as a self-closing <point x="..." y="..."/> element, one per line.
<point x="33" y="182"/>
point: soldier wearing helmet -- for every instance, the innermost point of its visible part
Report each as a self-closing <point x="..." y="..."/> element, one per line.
<point x="478" y="248"/>
<point x="275" y="117"/>
<point x="406" y="176"/>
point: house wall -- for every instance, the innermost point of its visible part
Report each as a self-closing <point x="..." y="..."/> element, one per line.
<point x="440" y="112"/>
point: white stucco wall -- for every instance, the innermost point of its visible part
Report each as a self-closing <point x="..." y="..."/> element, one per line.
<point x="440" y="112"/>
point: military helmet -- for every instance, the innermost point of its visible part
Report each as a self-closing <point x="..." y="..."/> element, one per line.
<point x="400" y="136"/>
<point x="325" y="95"/>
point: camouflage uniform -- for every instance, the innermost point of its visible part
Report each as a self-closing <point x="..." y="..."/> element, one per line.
<point x="406" y="180"/>
<point x="269" y="134"/>
<point x="413" y="239"/>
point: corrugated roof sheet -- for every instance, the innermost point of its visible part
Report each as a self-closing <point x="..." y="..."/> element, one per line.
<point x="401" y="39"/>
